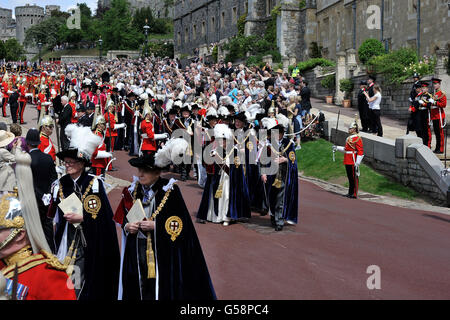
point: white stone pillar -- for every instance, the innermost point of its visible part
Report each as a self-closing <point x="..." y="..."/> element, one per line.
<point x="341" y="73"/>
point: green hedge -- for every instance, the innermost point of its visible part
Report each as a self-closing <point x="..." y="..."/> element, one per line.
<point x="370" y="48"/>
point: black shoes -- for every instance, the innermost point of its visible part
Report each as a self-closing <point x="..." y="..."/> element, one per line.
<point x="272" y="221"/>
<point x="200" y="221"/>
<point x="278" y="228"/>
<point x="350" y="196"/>
<point x="437" y="151"/>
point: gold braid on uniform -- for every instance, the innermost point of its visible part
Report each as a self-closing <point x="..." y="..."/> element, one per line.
<point x="151" y="265"/>
<point x="351" y="143"/>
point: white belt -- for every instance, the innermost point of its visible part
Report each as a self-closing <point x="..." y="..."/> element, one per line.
<point x="350" y="152"/>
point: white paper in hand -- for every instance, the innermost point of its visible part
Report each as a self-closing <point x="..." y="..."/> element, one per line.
<point x="72" y="204"/>
<point x="136" y="213"/>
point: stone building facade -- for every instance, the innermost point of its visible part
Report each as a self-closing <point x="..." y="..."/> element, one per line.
<point x="200" y="23"/>
<point x="393" y="22"/>
<point x="336" y="25"/>
<point x="160" y="8"/>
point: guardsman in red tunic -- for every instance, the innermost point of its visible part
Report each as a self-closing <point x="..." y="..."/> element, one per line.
<point x="100" y="157"/>
<point x="46" y="146"/>
<point x="22" y="100"/>
<point x="73" y="105"/>
<point x="40" y="275"/>
<point x="437" y="114"/>
<point x="353" y="156"/>
<point x="5" y="89"/>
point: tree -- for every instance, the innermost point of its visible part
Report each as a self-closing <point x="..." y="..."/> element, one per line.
<point x="14" y="50"/>
<point x="370" y="48"/>
<point x="46" y="32"/>
<point x="142" y="17"/>
<point x="2" y="50"/>
<point x="116" y="28"/>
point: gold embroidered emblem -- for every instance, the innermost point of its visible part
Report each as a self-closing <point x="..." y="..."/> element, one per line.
<point x="174" y="225"/>
<point x="237" y="161"/>
<point x="292" y="156"/>
<point x="92" y="204"/>
<point x="250" y="146"/>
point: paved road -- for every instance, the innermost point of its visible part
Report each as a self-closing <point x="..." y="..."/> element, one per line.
<point x="327" y="254"/>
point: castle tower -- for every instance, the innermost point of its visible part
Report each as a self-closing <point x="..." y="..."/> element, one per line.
<point x="5" y="18"/>
<point x="50" y="8"/>
<point x="26" y="17"/>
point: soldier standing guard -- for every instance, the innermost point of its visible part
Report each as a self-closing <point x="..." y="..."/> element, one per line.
<point x="438" y="103"/>
<point x="46" y="129"/>
<point x="353" y="156"/>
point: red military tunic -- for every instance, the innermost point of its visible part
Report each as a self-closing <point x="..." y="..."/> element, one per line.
<point x="73" y="119"/>
<point x="437" y="110"/>
<point x="110" y="132"/>
<point x="99" y="163"/>
<point x="42" y="98"/>
<point x="353" y="148"/>
<point x="22" y="92"/>
<point x="149" y="143"/>
<point x="46" y="146"/>
<point x="43" y="274"/>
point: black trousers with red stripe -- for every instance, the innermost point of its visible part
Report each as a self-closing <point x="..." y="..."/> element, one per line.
<point x="439" y="133"/>
<point x="4" y="103"/>
<point x="352" y="180"/>
<point x="20" y="111"/>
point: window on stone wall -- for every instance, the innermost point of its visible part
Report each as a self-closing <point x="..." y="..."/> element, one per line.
<point x="194" y="32"/>
<point x="246" y="6"/>
<point x="234" y="15"/>
<point x="213" y="24"/>
<point x="326" y="31"/>
<point x="412" y="6"/>
<point x="222" y="19"/>
<point x="203" y="28"/>
<point x="186" y="35"/>
<point x="269" y="6"/>
<point x="31" y="21"/>
<point x="179" y="38"/>
<point x="388" y="8"/>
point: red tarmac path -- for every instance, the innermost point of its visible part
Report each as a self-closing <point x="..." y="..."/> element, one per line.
<point x="327" y="254"/>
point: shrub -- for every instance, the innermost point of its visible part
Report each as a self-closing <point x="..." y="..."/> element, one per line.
<point x="312" y="63"/>
<point x="370" y="48"/>
<point x="392" y="65"/>
<point x="329" y="82"/>
<point x="346" y="85"/>
<point x="215" y="53"/>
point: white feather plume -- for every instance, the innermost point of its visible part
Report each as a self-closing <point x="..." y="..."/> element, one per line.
<point x="172" y="152"/>
<point x="283" y="120"/>
<point x="222" y="131"/>
<point x="83" y="139"/>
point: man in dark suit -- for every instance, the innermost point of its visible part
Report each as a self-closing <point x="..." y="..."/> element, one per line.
<point x="64" y="120"/>
<point x="229" y="69"/>
<point x="305" y="93"/>
<point x="44" y="174"/>
<point x="14" y="103"/>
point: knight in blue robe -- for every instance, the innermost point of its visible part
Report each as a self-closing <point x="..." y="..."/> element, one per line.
<point x="282" y="187"/>
<point x="166" y="262"/>
<point x="91" y="247"/>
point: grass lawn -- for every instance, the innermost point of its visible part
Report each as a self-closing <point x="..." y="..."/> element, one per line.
<point x="315" y="159"/>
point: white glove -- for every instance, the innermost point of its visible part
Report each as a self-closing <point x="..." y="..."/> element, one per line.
<point x="421" y="102"/>
<point x="107" y="125"/>
<point x="119" y="126"/>
<point x="162" y="136"/>
<point x="432" y="101"/>
<point x="103" y="155"/>
<point x="358" y="160"/>
<point x="144" y="136"/>
<point x="410" y="100"/>
<point x="340" y="149"/>
<point x="136" y="113"/>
